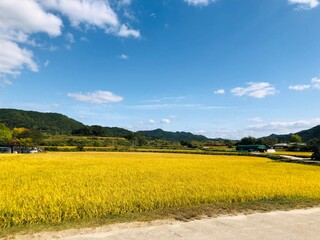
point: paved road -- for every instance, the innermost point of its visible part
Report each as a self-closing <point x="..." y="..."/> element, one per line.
<point x="295" y="224"/>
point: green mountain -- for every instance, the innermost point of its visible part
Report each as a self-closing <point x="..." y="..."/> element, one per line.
<point x="172" y="136"/>
<point x="53" y="123"/>
<point x="306" y="135"/>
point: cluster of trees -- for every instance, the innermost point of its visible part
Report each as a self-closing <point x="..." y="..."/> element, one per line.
<point x="50" y="123"/>
<point x="99" y="131"/>
<point x="268" y="141"/>
<point x="264" y="141"/>
<point x="19" y="136"/>
<point x="295" y="139"/>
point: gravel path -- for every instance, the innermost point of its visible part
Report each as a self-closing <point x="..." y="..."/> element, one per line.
<point x="294" y="224"/>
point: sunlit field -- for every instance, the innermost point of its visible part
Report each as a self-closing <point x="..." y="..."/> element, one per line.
<point x="64" y="187"/>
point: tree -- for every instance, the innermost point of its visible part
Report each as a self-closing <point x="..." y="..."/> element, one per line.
<point x="268" y="141"/>
<point x="314" y="145"/>
<point x="26" y="137"/>
<point x="295" y="138"/>
<point x="98" y="131"/>
<point x="136" y="139"/>
<point x="5" y="134"/>
<point x="17" y="132"/>
<point x="84" y="131"/>
<point x="247" y="141"/>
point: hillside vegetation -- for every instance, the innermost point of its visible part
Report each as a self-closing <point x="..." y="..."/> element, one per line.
<point x="306" y="135"/>
<point x="53" y="123"/>
<point x="58" y="124"/>
<point x="173" y="136"/>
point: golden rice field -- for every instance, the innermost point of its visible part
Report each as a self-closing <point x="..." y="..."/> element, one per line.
<point x="64" y="187"/>
<point x="297" y="154"/>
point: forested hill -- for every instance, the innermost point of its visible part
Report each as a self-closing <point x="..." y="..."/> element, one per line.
<point x="53" y="123"/>
<point x="306" y="135"/>
<point x="173" y="136"/>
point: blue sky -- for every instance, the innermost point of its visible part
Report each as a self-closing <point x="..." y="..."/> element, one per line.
<point x="224" y="68"/>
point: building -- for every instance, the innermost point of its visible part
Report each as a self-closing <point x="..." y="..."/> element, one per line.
<point x="281" y="146"/>
<point x="4" y="148"/>
<point x="252" y="148"/>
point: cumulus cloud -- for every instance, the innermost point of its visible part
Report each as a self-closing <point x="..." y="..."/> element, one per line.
<point x="91" y="12"/>
<point x="152" y="121"/>
<point x="255" y="90"/>
<point x="219" y="91"/>
<point x="315" y="82"/>
<point x="199" y="2"/>
<point x="13" y="59"/>
<point x="20" y="19"/>
<point x="299" y="87"/>
<point x="97" y="97"/>
<point x="124" y="31"/>
<point x="304" y="4"/>
<point x="165" y="121"/>
<point x="27" y="16"/>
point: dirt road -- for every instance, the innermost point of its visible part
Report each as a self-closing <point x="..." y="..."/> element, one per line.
<point x="295" y="224"/>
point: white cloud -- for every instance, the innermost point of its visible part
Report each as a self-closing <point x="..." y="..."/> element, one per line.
<point x="90" y="12"/>
<point x="199" y="2"/>
<point x="315" y="82"/>
<point x="299" y="87"/>
<point x="19" y="19"/>
<point x="27" y="16"/>
<point x="129" y="15"/>
<point x="219" y="91"/>
<point x="152" y="121"/>
<point x="97" y="97"/>
<point x="13" y="59"/>
<point x="255" y="90"/>
<point x="304" y="4"/>
<point x="70" y="37"/>
<point x="285" y="126"/>
<point x="165" y="121"/>
<point x="124" y="57"/>
<point x="124" y="31"/>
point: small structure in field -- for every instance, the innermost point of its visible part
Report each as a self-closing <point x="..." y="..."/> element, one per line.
<point x="281" y="146"/>
<point x="4" y="148"/>
<point x="252" y="148"/>
<point x="271" y="150"/>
